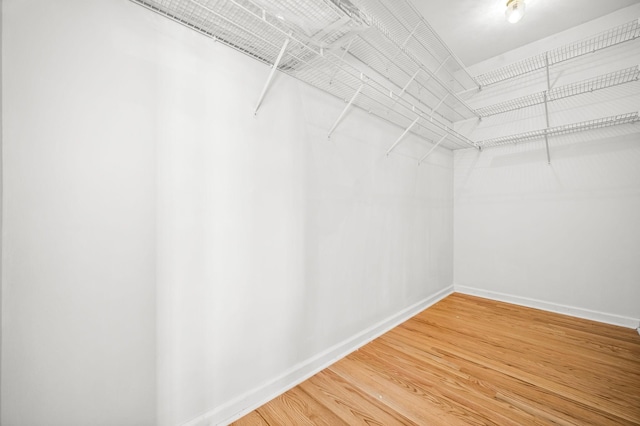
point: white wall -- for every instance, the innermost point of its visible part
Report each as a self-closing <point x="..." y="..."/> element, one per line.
<point x="564" y="236"/>
<point x="79" y="210"/>
<point x="160" y="237"/>
<point x="277" y="246"/>
<point x="1" y="198"/>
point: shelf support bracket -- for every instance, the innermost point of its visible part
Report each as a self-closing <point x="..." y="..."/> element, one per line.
<point x="274" y="67"/>
<point x="404" y="89"/>
<point x="406" y="86"/>
<point x="546" y="109"/>
<point x="404" y="44"/>
<point x="344" y="111"/>
<point x="441" y="64"/>
<point x="403" y="135"/>
<point x="346" y="50"/>
<point x="410" y="35"/>
<point x="439" y="68"/>
<point x="433" y="111"/>
<point x="432" y="149"/>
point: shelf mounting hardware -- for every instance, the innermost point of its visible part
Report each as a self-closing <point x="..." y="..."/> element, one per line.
<point x="346" y="50"/>
<point x="404" y="44"/>
<point x="274" y="67"/>
<point x="407" y="130"/>
<point x="433" y="111"/>
<point x="546" y="109"/>
<point x="432" y="149"/>
<point x="344" y="111"/>
<point x="404" y="89"/>
<point x="439" y="68"/>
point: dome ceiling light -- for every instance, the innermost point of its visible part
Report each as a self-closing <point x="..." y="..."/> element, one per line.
<point x="515" y="10"/>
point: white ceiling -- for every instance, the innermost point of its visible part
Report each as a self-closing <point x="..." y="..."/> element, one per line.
<point x="476" y="30"/>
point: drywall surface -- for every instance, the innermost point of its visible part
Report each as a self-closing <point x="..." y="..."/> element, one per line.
<point x="1" y="198"/>
<point x="276" y="244"/>
<point x="79" y="218"/>
<point x="563" y="236"/>
<point x="169" y="255"/>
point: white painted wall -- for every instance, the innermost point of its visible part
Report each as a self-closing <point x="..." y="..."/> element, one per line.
<point x="160" y="238"/>
<point x="1" y="198"/>
<point x="564" y="236"/>
<point x="79" y="213"/>
<point x="277" y="246"/>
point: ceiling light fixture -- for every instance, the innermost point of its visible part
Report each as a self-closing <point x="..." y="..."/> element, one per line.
<point x="515" y="10"/>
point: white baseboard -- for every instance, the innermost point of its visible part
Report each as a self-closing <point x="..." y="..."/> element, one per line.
<point x="552" y="307"/>
<point x="260" y="395"/>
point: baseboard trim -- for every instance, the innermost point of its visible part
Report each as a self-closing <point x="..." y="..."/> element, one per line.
<point x="552" y="307"/>
<point x="260" y="395"/>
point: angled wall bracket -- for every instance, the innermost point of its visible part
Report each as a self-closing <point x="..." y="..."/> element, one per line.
<point x="432" y="149"/>
<point x="408" y="129"/>
<point x="546" y="109"/>
<point x="274" y="67"/>
<point x="344" y="111"/>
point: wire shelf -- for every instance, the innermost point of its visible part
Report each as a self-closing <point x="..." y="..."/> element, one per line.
<point x="317" y="33"/>
<point x="611" y="37"/>
<point x="409" y="78"/>
<point x="599" y="123"/>
<point x="604" y="81"/>
<point x="407" y="51"/>
<point x="401" y="22"/>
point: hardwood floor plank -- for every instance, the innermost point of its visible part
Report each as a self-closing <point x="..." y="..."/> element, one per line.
<point x="576" y="368"/>
<point x="458" y="390"/>
<point x="296" y="407"/>
<point x="468" y="360"/>
<point x="349" y="403"/>
<point x="252" y="419"/>
<point x="401" y="395"/>
<point x="506" y="361"/>
<point x="530" y="398"/>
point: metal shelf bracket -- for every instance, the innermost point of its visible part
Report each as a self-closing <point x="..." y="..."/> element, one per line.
<point x="344" y="111"/>
<point x="274" y="67"/>
<point x="432" y="149"/>
<point x="407" y="130"/>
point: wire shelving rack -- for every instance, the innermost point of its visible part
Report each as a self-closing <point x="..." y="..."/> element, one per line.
<point x="615" y="120"/>
<point x="603" y="81"/>
<point x="384" y="58"/>
<point x="620" y="34"/>
<point x="310" y="39"/>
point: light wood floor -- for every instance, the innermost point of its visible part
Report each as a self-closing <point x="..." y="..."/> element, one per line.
<point x="468" y="360"/>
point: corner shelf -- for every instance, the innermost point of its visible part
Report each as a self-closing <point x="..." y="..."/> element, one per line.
<point x="615" y="120"/>
<point x="611" y="37"/>
<point x="603" y="81"/>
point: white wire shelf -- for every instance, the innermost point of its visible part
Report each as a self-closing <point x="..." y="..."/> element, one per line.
<point x="599" y="123"/>
<point x="306" y="39"/>
<point x="400" y="21"/>
<point x="611" y="37"/>
<point x="604" y="81"/>
<point x="410" y="77"/>
<point x="407" y="51"/>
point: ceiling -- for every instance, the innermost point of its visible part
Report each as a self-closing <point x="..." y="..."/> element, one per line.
<point x="487" y="33"/>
